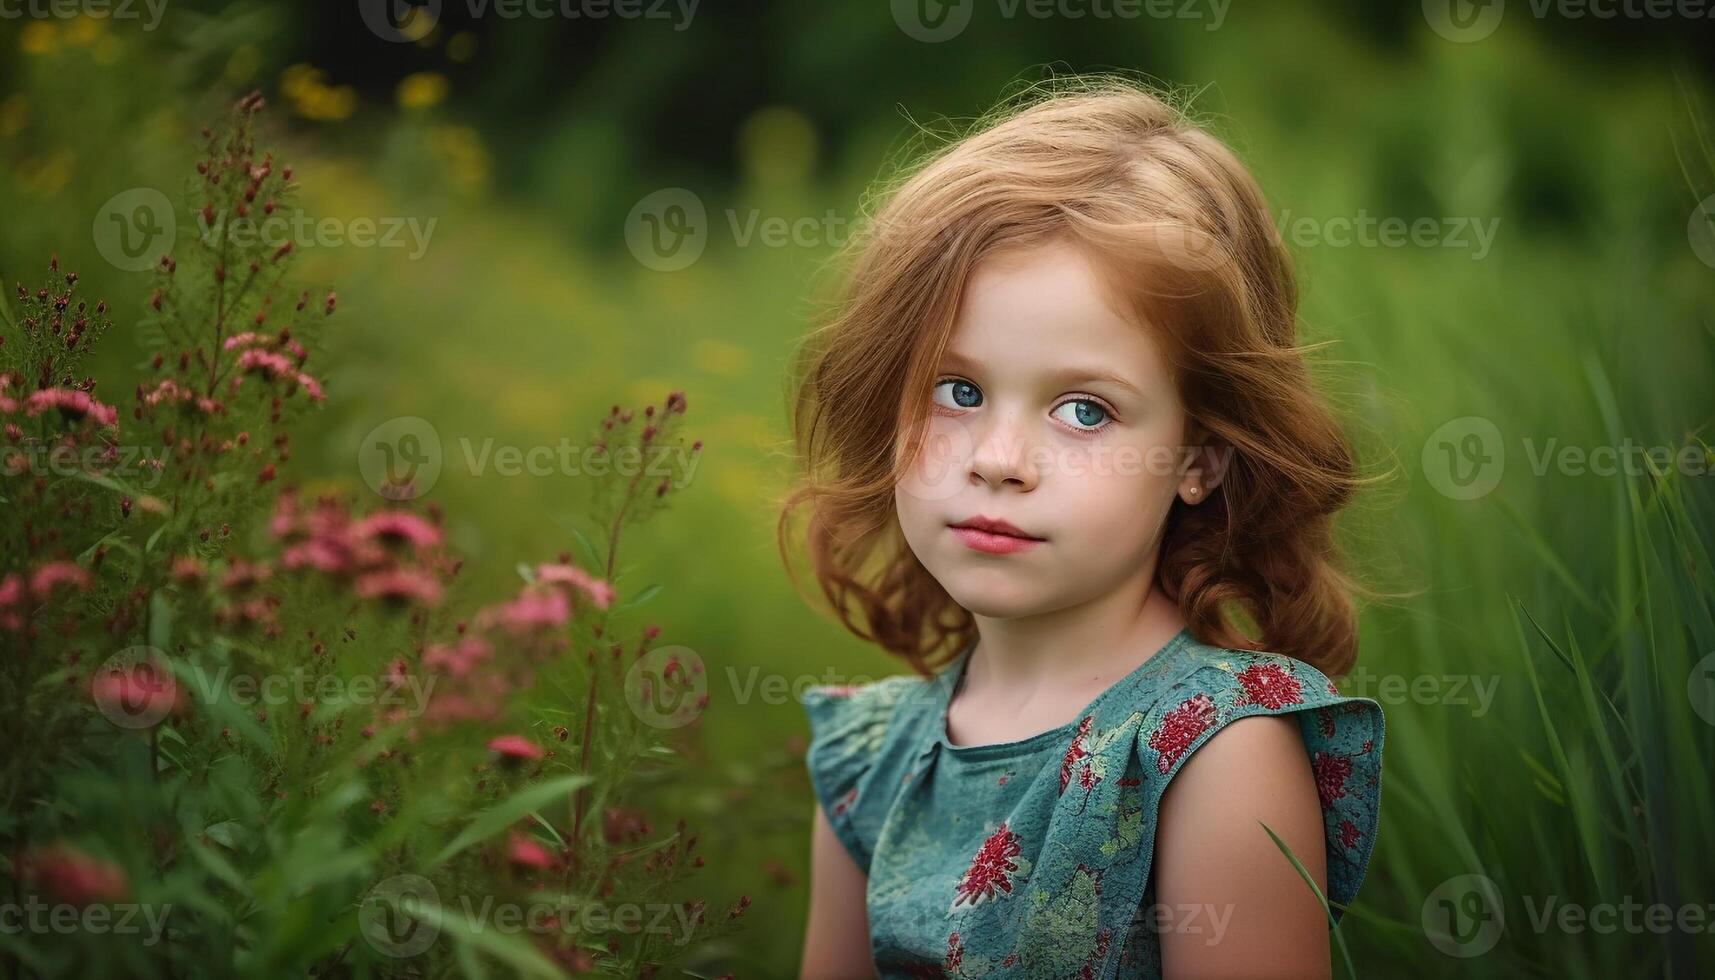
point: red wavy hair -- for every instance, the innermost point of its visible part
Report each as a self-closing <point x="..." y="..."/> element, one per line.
<point x="1184" y="238"/>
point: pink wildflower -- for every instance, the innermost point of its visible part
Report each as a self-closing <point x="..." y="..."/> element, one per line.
<point x="145" y="691"/>
<point x="400" y="585"/>
<point x="321" y="554"/>
<point x="71" y="404"/>
<point x="535" y="609"/>
<point x="167" y="390"/>
<point x="246" y="339"/>
<point x="285" y="519"/>
<point x="312" y="387"/>
<point x="54" y="575"/>
<point x="11" y="599"/>
<point x="398" y="527"/>
<point x="241" y="575"/>
<point x="600" y="593"/>
<point x="11" y="590"/>
<point x="524" y="852"/>
<point x="76" y="877"/>
<point x="515" y="748"/>
<point x="267" y="362"/>
<point x="187" y="570"/>
<point x="457" y="659"/>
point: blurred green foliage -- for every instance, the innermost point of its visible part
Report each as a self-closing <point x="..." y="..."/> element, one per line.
<point x="1585" y="321"/>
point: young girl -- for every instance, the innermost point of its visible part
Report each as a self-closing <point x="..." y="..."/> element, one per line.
<point x="1063" y="457"/>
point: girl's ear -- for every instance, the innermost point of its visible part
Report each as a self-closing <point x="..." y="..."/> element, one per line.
<point x="1209" y="456"/>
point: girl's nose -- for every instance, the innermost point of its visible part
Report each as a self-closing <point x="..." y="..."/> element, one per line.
<point x="1004" y="453"/>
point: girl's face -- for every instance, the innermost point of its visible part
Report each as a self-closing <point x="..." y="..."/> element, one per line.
<point x="1057" y="416"/>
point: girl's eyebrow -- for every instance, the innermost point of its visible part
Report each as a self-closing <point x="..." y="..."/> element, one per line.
<point x="1062" y="376"/>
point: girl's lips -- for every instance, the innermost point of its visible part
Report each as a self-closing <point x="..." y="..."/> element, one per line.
<point x="992" y="543"/>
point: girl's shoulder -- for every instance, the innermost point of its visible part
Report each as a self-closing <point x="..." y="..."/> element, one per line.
<point x="1342" y="736"/>
<point x="1220" y="685"/>
<point x="855" y="719"/>
<point x="859" y="737"/>
<point x="1251" y="679"/>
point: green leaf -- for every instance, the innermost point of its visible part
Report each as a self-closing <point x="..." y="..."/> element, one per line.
<point x="6" y="315"/>
<point x="105" y="482"/>
<point x="113" y="539"/>
<point x="219" y="867"/>
<point x="470" y="964"/>
<point x="209" y="692"/>
<point x="545" y="825"/>
<point x="509" y="948"/>
<point x="24" y="953"/>
<point x="591" y="555"/>
<point x="639" y="599"/>
<point x="160" y="621"/>
<point x="1345" y="954"/>
<point x="154" y="539"/>
<point x="227" y="833"/>
<point x="508" y="812"/>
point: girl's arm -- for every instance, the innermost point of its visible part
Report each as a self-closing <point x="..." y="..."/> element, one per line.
<point x="836" y="942"/>
<point x="1230" y="902"/>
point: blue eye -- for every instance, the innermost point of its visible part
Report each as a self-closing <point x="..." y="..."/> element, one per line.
<point x="1085" y="414"/>
<point x="963" y="394"/>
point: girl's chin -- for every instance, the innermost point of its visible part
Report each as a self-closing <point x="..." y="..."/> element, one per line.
<point x="1000" y="599"/>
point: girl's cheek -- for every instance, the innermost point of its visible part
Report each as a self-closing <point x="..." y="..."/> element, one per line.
<point x="938" y="471"/>
<point x="1110" y="461"/>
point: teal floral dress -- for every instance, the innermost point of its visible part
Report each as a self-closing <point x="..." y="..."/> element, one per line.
<point x="1031" y="859"/>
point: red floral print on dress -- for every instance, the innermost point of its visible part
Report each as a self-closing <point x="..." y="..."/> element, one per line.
<point x="1269" y="685"/>
<point x="1331" y="772"/>
<point x="989" y="869"/>
<point x="1325" y="722"/>
<point x="1349" y="834"/>
<point x="955" y="953"/>
<point x="1179" y="728"/>
<point x="845" y="802"/>
<point x="1077" y="752"/>
<point x="1088" y="971"/>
